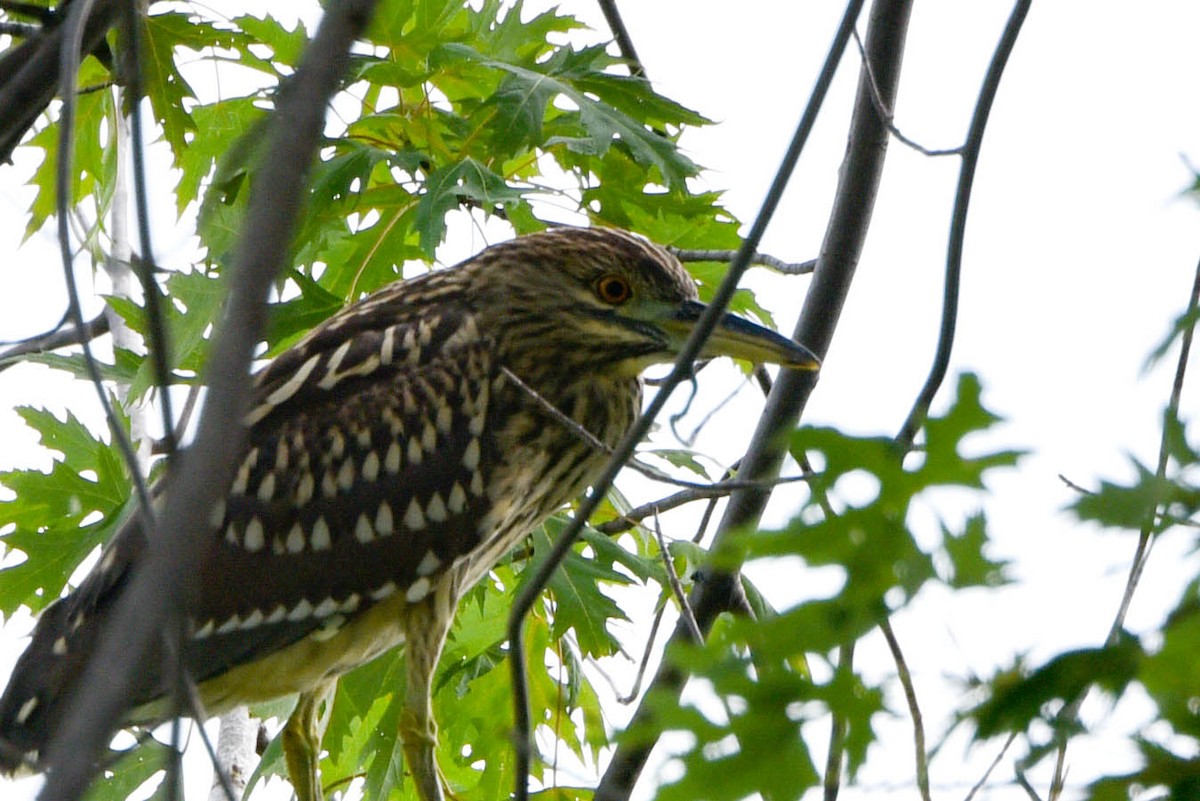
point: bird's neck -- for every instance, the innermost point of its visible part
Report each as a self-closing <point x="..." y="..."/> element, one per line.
<point x="600" y="406"/>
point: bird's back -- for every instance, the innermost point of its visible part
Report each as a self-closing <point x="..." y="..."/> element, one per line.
<point x="392" y="458"/>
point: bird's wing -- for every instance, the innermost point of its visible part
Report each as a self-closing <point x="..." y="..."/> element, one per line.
<point x="363" y="480"/>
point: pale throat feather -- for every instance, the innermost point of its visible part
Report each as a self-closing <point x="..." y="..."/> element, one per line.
<point x="548" y="461"/>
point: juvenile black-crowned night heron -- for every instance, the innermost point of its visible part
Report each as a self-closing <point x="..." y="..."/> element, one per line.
<point x="395" y="454"/>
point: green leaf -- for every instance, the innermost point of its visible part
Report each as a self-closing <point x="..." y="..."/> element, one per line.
<point x="222" y="123"/>
<point x="1016" y="702"/>
<point x="1179" y="326"/>
<point x="758" y="747"/>
<point x="684" y="459"/>
<point x="165" y="86"/>
<point x="621" y="115"/>
<point x="1169" y="674"/>
<point x="95" y="160"/>
<point x="286" y="46"/>
<point x="133" y="769"/>
<point x="969" y="565"/>
<point x="56" y="519"/>
<point x="579" y="603"/>
<point x="448" y="187"/>
<point x="1136" y="505"/>
<point x="290" y="320"/>
<point x="1179" y="775"/>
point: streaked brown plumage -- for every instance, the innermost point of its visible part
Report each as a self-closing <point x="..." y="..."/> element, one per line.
<point x="395" y="454"/>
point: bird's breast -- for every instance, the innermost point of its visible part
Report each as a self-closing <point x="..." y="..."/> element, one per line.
<point x="552" y="441"/>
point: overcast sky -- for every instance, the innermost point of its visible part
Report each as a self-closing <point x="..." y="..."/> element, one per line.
<point x="1079" y="252"/>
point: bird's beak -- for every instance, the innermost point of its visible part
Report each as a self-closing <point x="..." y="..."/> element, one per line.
<point x="740" y="339"/>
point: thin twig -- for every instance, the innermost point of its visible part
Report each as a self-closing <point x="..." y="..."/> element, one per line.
<point x="1161" y="518"/>
<point x="764" y="455"/>
<point x="832" y="783"/>
<point x="690" y="439"/>
<point x="1024" y="784"/>
<point x="60" y="337"/>
<point x="685" y="609"/>
<point x="1160" y="472"/>
<point x="198" y="714"/>
<point x="68" y="69"/>
<point x="837" y="723"/>
<point x="1072" y="485"/>
<point x="979" y="785"/>
<point x="888" y="118"/>
<point x="758" y="259"/>
<point x="594" y="442"/>
<point x="645" y="660"/>
<point x="560" y="416"/>
<point x="682" y="368"/>
<point x="621" y="36"/>
<point x="1146" y="536"/>
<point x="695" y="492"/>
<point x="914" y="709"/>
<point x="958" y="223"/>
<point x="157" y="342"/>
<point x="658" y="615"/>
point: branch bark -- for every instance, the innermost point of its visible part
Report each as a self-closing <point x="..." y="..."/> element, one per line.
<point x="150" y="606"/>
<point x="29" y="75"/>
<point x="848" y="224"/>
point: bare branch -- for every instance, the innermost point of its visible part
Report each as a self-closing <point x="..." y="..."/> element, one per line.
<point x="40" y="14"/>
<point x="827" y="293"/>
<point x="636" y="689"/>
<point x="1146" y="536"/>
<point x="760" y="259"/>
<point x="18" y="30"/>
<point x="682" y="368"/>
<point x="979" y="785"/>
<point x="29" y="72"/>
<point x="958" y="223"/>
<point x="621" y="35"/>
<point x="60" y="337"/>
<point x="914" y="709"/>
<point x="157" y="342"/>
<point x="68" y="65"/>
<point x="885" y="112"/>
<point x="149" y="607"/>
<point x="685" y="609"/>
<point x="837" y="734"/>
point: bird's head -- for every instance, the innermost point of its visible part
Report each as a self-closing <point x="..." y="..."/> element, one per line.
<point x="607" y="298"/>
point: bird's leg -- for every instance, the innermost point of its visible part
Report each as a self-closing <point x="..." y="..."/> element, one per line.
<point x="302" y="742"/>
<point x="428" y="623"/>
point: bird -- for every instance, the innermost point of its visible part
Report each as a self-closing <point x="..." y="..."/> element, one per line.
<point x="394" y="455"/>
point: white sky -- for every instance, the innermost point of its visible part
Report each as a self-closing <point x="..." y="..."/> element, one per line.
<point x="1079" y="252"/>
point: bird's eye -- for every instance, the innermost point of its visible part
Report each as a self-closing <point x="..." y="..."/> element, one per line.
<point x="613" y="289"/>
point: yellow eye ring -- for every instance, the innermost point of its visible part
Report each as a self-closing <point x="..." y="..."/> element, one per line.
<point x="613" y="289"/>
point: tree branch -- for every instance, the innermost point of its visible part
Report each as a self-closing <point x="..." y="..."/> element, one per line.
<point x="958" y="223"/>
<point x="1145" y="537"/>
<point x="61" y="337"/>
<point x="29" y="72"/>
<point x="844" y="238"/>
<point x="762" y="259"/>
<point x="150" y="606"/>
<point x="914" y="709"/>
<point x="621" y="35"/>
<point x="683" y="368"/>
